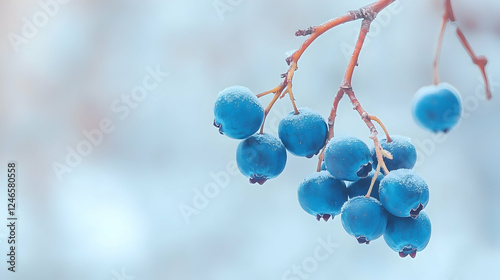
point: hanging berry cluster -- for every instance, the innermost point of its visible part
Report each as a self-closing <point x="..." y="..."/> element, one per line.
<point x="348" y="180"/>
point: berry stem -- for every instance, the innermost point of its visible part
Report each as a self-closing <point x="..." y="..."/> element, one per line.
<point x="320" y="159"/>
<point x="372" y="183"/>
<point x="346" y="88"/>
<point x="274" y="90"/>
<point x="368" y="13"/>
<point x="347" y="81"/>
<point x="317" y="31"/>
<point x="268" y="108"/>
<point x="479" y="61"/>
<point x="333" y="113"/>
<point x="374" y="118"/>
<point x="289" y="78"/>
<point x="438" y="50"/>
<point x="380" y="153"/>
<point x="331" y="123"/>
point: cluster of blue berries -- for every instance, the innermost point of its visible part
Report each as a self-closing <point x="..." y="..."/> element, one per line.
<point x="392" y="208"/>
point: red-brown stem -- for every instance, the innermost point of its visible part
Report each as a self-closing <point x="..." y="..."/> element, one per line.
<point x="372" y="183"/>
<point x="387" y="136"/>
<point x="288" y="90"/>
<point x="331" y="123"/>
<point x="274" y="90"/>
<point x="368" y="12"/>
<point x="449" y="10"/>
<point x="364" y="115"/>
<point x="333" y="113"/>
<point x="268" y="108"/>
<point x="365" y="28"/>
<point x="320" y="29"/>
<point x="347" y="89"/>
<point x="479" y="61"/>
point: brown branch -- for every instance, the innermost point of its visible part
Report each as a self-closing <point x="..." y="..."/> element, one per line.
<point x="368" y="12"/>
<point x="372" y="183"/>
<point x="365" y="117"/>
<point x="438" y="50"/>
<point x="268" y="108"/>
<point x="346" y="82"/>
<point x="331" y="122"/>
<point x="317" y="31"/>
<point x="480" y="61"/>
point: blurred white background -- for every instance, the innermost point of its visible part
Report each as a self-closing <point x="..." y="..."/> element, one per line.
<point x="117" y="214"/>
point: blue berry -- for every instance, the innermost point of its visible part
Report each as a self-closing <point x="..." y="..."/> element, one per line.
<point x="403" y="193"/>
<point x="408" y="236"/>
<point x="437" y="108"/>
<point x="348" y="158"/>
<point x="361" y="186"/>
<point x="261" y="157"/>
<point x="321" y="195"/>
<point x="303" y="134"/>
<point x="238" y="112"/>
<point x="404" y="154"/>
<point x="364" y="218"/>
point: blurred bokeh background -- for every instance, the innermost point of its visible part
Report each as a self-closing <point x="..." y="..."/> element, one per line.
<point x="158" y="197"/>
